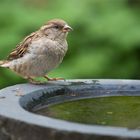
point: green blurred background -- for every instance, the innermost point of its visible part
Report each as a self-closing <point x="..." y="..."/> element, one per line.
<point x="105" y="42"/>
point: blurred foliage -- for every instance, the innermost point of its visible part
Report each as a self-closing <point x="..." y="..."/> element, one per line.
<point x="105" y="42"/>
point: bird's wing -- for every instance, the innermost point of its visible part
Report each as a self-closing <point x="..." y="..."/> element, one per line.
<point x="22" y="47"/>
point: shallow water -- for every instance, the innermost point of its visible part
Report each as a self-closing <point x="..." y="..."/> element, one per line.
<point x="121" y="111"/>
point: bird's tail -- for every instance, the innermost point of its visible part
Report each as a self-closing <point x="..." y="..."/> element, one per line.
<point x="3" y="63"/>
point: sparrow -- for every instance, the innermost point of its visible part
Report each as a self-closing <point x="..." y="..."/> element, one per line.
<point x="40" y="52"/>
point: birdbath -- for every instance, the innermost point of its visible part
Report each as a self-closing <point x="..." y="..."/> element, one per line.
<point x="71" y="110"/>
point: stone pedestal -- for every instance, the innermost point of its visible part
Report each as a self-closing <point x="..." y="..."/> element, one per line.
<point x="18" y="123"/>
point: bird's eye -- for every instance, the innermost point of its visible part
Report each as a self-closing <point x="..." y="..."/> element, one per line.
<point x="56" y="27"/>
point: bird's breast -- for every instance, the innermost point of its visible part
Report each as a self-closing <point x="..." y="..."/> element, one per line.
<point x="48" y="47"/>
<point x="48" y="54"/>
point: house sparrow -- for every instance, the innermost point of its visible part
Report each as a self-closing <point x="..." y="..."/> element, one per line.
<point x="40" y="52"/>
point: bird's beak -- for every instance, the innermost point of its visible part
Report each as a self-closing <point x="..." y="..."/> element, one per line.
<point x="67" y="28"/>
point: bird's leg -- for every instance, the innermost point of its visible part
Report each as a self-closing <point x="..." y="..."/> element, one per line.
<point x="33" y="81"/>
<point x="53" y="79"/>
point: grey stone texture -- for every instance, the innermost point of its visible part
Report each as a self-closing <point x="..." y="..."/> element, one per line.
<point x="17" y="122"/>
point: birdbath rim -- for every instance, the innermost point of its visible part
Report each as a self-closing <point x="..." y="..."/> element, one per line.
<point x="14" y="107"/>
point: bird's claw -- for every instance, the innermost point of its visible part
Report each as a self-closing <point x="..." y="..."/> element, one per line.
<point x="53" y="79"/>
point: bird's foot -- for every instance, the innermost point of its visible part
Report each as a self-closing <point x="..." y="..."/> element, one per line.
<point x="32" y="81"/>
<point x="53" y="79"/>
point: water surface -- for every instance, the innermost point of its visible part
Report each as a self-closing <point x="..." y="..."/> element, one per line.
<point x="121" y="111"/>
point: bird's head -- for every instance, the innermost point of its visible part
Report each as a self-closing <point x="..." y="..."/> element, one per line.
<point x="56" y="29"/>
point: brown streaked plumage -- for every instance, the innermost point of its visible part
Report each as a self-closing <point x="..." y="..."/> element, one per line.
<point x="40" y="52"/>
<point x="22" y="47"/>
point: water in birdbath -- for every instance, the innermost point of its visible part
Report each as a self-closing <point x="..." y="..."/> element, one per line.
<point x="123" y="111"/>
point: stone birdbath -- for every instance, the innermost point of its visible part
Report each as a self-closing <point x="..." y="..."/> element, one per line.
<point x="21" y="117"/>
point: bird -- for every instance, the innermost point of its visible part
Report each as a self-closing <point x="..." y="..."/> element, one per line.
<point x="40" y="52"/>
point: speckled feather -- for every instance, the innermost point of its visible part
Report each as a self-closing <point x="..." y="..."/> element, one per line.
<point x="22" y="47"/>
